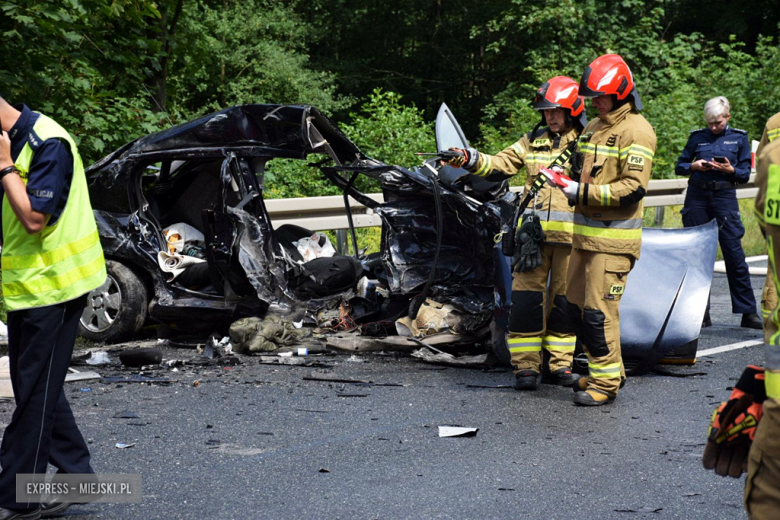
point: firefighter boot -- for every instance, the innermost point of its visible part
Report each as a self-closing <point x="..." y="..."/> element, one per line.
<point x="581" y="384"/>
<point x="592" y="398"/>
<point x="561" y="377"/>
<point x="527" y="380"/>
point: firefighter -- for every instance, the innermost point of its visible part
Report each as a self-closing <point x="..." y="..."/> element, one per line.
<point x="618" y="150"/>
<point x="540" y="333"/>
<point x="717" y="158"/>
<point x="769" y="294"/>
<point x="735" y="443"/>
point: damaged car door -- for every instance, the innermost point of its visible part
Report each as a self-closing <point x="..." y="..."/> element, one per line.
<point x="222" y="231"/>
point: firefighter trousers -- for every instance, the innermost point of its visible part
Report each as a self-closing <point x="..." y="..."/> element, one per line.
<point x="538" y="320"/>
<point x="595" y="283"/>
<point x="762" y="486"/>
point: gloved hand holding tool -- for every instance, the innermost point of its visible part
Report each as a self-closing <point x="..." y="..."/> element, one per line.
<point x="733" y="425"/>
<point x="557" y="179"/>
<point x="455" y="157"/>
<point x="528" y="249"/>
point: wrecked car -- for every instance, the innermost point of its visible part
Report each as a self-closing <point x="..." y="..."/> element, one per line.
<point x="438" y="254"/>
<point x="207" y="176"/>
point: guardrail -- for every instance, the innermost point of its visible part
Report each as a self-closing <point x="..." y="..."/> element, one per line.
<point x="321" y="213"/>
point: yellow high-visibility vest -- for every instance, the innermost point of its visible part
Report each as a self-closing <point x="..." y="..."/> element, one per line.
<point x="63" y="261"/>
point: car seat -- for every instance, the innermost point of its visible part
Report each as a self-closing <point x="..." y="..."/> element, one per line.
<point x="319" y="277"/>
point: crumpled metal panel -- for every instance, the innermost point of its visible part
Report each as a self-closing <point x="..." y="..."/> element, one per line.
<point x="465" y="271"/>
<point x="666" y="294"/>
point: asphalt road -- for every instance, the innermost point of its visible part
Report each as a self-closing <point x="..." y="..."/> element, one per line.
<point x="259" y="441"/>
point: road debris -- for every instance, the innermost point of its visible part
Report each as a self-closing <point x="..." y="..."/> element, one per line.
<point x="457" y="431"/>
<point x="99" y="358"/>
<point x="442" y="358"/>
<point x="138" y="357"/>
<point x="122" y="445"/>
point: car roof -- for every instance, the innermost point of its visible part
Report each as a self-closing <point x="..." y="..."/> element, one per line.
<point x="264" y="130"/>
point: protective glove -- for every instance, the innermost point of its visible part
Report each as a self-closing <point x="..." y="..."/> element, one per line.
<point x="571" y="189"/>
<point x="528" y="244"/>
<point x="460" y="159"/>
<point x="733" y="425"/>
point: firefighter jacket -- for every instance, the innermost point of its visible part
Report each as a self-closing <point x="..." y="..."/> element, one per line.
<point x="771" y="132"/>
<point x="618" y="152"/>
<point x="536" y="150"/>
<point x="768" y="211"/>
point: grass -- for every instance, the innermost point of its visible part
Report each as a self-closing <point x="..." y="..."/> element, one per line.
<point x="753" y="242"/>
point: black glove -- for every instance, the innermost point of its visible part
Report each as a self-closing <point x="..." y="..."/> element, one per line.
<point x="733" y="425"/>
<point x="528" y="244"/>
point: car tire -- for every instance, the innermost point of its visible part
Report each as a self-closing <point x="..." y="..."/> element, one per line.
<point x="499" y="346"/>
<point x="116" y="310"/>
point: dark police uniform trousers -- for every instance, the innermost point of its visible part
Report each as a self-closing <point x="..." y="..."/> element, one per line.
<point x="43" y="430"/>
<point x="712" y="195"/>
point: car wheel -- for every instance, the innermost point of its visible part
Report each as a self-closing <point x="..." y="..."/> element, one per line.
<point x="116" y="310"/>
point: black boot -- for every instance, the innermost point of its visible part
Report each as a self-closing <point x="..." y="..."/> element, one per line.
<point x="752" y="321"/>
<point x="527" y="380"/>
<point x="561" y="377"/>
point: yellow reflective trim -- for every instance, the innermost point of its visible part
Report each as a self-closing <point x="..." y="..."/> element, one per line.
<point x="772" y="205"/>
<point x="532" y="340"/>
<point x="559" y="344"/>
<point x="525" y="349"/>
<point x="638" y="149"/>
<point x="773" y="134"/>
<point x="618" y="234"/>
<point x="51" y="257"/>
<point x="772" y="384"/>
<point x="518" y="149"/>
<point x="605" y="195"/>
<point x="40" y="285"/>
<point x="599" y="149"/>
<point x="609" y="370"/>
<point x="486" y="166"/>
<point x="553" y="225"/>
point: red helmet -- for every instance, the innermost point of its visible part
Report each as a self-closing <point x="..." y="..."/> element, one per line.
<point x="609" y="75"/>
<point x="561" y="92"/>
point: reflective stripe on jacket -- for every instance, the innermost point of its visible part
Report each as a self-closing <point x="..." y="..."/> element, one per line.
<point x="618" y="153"/>
<point x="63" y="261"/>
<point x="535" y="152"/>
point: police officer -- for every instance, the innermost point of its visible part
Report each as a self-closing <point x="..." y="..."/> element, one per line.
<point x="756" y="395"/>
<point x="51" y="258"/>
<point x="769" y="294"/>
<point x="716" y="158"/>
<point x="534" y="326"/>
<point x="618" y="148"/>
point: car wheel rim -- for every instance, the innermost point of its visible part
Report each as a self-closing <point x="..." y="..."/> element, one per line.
<point x="102" y="306"/>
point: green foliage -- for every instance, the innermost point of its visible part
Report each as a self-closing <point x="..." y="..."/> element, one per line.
<point x="390" y="131"/>
<point x="249" y="51"/>
<point x="384" y="128"/>
<point x="84" y="63"/>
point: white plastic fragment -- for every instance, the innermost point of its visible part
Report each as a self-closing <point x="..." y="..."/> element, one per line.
<point x="99" y="358"/>
<point x="457" y="431"/>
